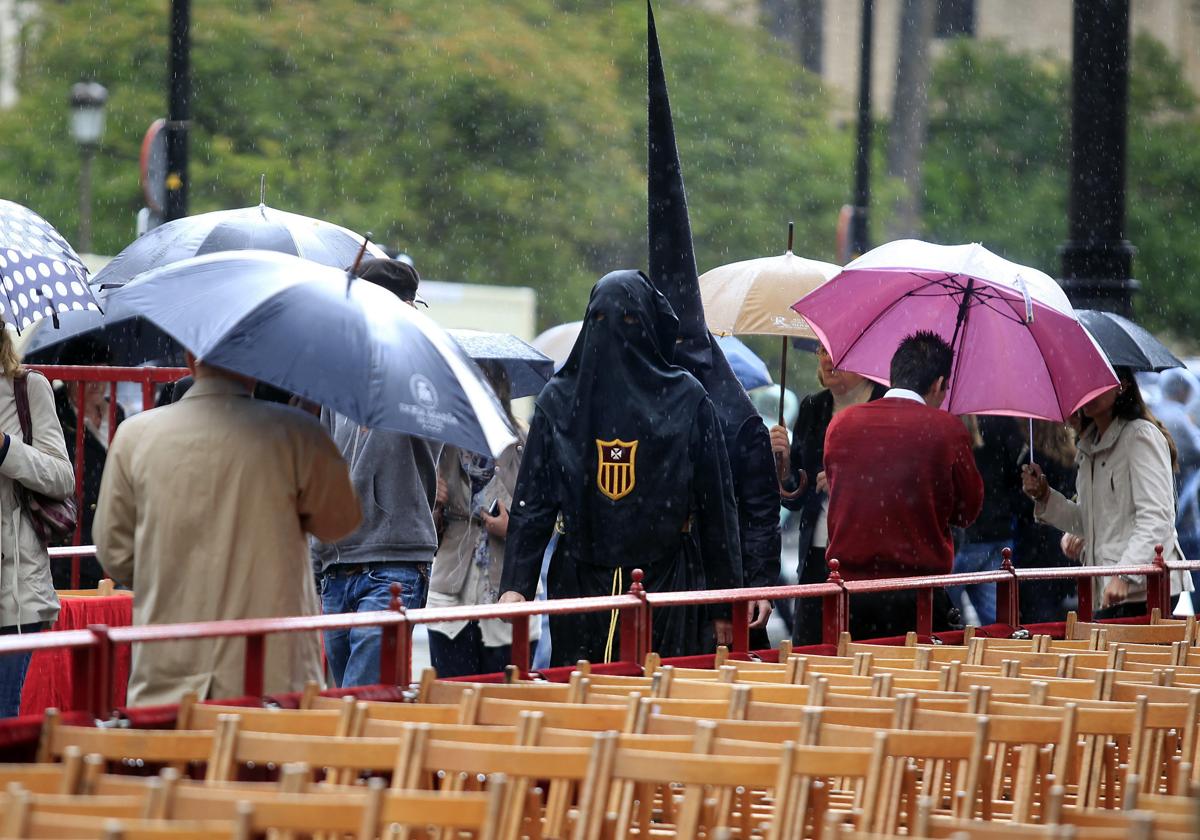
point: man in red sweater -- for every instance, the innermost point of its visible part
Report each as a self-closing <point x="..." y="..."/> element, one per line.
<point x="901" y="473"/>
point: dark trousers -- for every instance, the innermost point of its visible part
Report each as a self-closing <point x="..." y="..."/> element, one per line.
<point x="807" y="618"/>
<point x="13" y="667"/>
<point x="879" y="615"/>
<point x="466" y="655"/>
<point x="1131" y="609"/>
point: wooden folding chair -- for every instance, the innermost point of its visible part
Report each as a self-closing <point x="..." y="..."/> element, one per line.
<point x="361" y="812"/>
<point x="456" y="765"/>
<point x="343" y="759"/>
<point x="340" y="721"/>
<point x="490" y="711"/>
<point x="152" y="746"/>
<point x="1154" y="634"/>
<point x="693" y="780"/>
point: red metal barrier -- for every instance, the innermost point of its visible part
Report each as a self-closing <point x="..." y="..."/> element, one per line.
<point x="79" y="376"/>
<point x="92" y="649"/>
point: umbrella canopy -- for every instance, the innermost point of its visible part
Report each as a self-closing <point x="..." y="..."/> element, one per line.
<point x="749" y="369"/>
<point x="526" y="368"/>
<point x="755" y="297"/>
<point x="347" y="344"/>
<point x="262" y="228"/>
<point x="1018" y="348"/>
<point x="1125" y="343"/>
<point x="259" y="228"/>
<point x="42" y="275"/>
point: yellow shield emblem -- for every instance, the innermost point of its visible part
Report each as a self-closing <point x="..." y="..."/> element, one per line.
<point x="615" y="475"/>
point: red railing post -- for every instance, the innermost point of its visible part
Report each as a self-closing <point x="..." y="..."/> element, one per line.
<point x="1158" y="586"/>
<point x="741" y="627"/>
<point x="1084" y="588"/>
<point x="835" y="608"/>
<point x="1007" y="597"/>
<point x="102" y="685"/>
<point x="404" y="652"/>
<point x="389" y="642"/>
<point x="256" y="653"/>
<point x="925" y="611"/>
<point x="642" y="623"/>
<point x="520" y="645"/>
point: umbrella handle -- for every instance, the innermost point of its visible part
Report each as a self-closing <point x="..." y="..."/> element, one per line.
<point x="782" y="378"/>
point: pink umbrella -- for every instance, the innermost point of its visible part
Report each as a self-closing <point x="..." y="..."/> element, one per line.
<point x="1018" y="347"/>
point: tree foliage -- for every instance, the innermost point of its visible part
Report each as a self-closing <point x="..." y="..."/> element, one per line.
<point x="996" y="167"/>
<point x="496" y="143"/>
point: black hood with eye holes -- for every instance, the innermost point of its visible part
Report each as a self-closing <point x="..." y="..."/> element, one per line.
<point x="618" y="380"/>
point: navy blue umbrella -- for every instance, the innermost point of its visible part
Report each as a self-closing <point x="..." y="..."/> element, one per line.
<point x="749" y="369"/>
<point x="41" y="274"/>
<point x="527" y="369"/>
<point x="248" y="228"/>
<point x="315" y="331"/>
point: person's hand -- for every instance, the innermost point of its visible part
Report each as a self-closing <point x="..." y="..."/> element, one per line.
<point x="1033" y="482"/>
<point x="511" y="597"/>
<point x="496" y="525"/>
<point x="822" y="482"/>
<point x="443" y="493"/>
<point x="1115" y="592"/>
<point x="782" y="447"/>
<point x="1072" y="546"/>
<point x="760" y="612"/>
<point x="723" y="630"/>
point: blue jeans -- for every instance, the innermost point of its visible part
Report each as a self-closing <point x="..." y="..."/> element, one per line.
<point x="979" y="557"/>
<point x="13" y="667"/>
<point x="354" y="654"/>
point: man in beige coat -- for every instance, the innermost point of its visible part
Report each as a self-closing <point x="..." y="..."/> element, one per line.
<point x="204" y="509"/>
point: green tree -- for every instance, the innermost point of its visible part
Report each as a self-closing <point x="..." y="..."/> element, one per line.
<point x="496" y="143"/>
<point x="997" y="167"/>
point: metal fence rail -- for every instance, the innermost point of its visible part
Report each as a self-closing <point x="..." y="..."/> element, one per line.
<point x="93" y="650"/>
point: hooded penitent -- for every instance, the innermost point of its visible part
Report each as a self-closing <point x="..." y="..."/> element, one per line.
<point x="673" y="272"/>
<point x="625" y="454"/>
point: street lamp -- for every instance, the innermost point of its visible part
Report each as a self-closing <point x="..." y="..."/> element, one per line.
<point x="87" y="127"/>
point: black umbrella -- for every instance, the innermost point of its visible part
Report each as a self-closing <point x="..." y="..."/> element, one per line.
<point x="1125" y="343"/>
<point x="528" y="369"/>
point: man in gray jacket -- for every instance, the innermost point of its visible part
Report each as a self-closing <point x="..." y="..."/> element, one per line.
<point x="395" y="476"/>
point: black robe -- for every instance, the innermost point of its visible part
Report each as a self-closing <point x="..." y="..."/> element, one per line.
<point x="626" y="454"/>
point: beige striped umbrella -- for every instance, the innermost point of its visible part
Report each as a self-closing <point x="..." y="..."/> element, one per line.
<point x="755" y="297"/>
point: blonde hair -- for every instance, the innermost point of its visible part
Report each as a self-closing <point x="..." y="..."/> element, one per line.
<point x="10" y="362"/>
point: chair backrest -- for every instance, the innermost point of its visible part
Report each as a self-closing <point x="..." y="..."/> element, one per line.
<point x="236" y="748"/>
<point x="149" y="745"/>
<point x="338" y="722"/>
<point x="489" y="711"/>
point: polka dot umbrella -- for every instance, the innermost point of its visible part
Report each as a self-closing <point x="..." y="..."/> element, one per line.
<point x="41" y="274"/>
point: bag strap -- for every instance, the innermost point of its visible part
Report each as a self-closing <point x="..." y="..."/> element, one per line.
<point x="21" y="394"/>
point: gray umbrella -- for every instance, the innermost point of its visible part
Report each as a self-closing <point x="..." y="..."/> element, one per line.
<point x="344" y="343"/>
<point x="258" y="228"/>
<point x="527" y="368"/>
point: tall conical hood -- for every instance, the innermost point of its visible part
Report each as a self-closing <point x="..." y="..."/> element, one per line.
<point x="672" y="258"/>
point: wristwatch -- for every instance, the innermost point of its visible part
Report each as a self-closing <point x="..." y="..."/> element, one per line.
<point x="1132" y="580"/>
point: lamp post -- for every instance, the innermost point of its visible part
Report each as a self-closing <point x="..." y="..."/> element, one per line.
<point x="87" y="127"/>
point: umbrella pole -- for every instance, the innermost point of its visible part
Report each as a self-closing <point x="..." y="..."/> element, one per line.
<point x="1031" y="440"/>
<point x="782" y="379"/>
